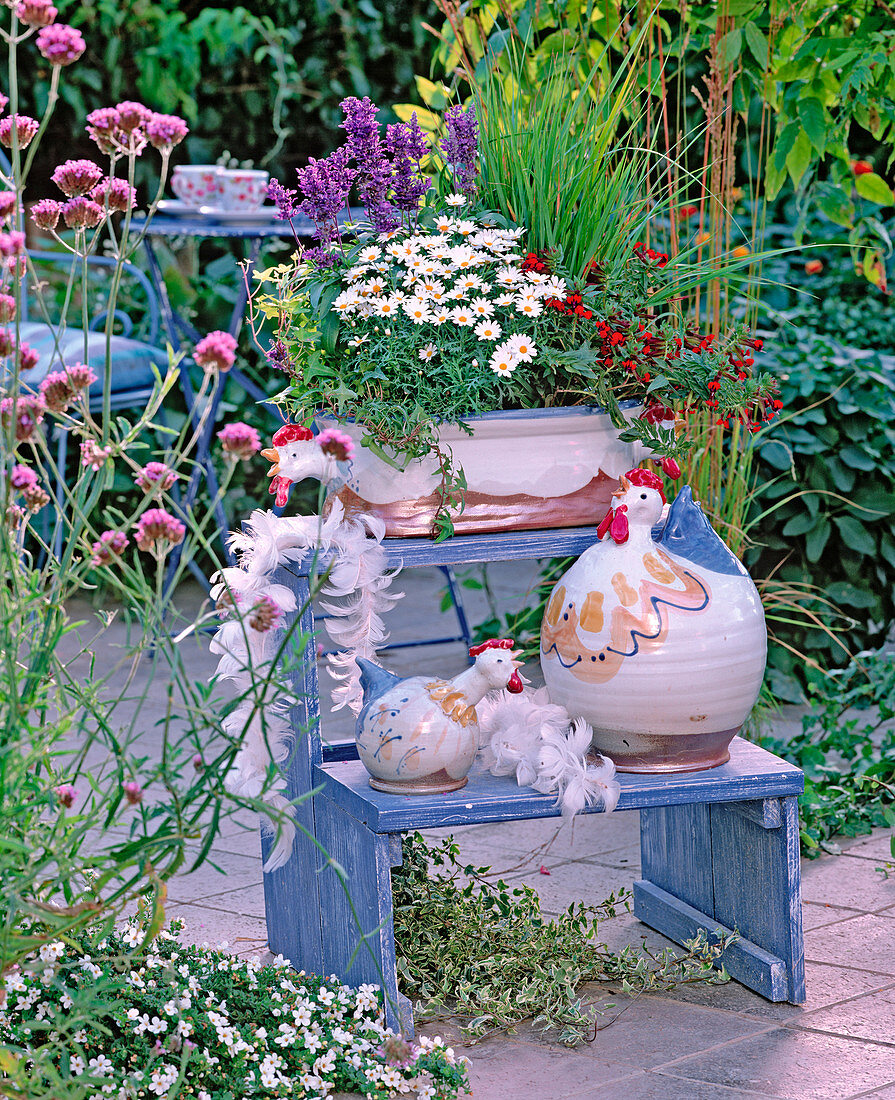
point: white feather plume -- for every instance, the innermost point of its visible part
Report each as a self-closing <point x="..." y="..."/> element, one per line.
<point x="536" y="740"/>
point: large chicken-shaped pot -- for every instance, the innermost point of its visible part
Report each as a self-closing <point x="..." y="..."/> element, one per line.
<point x="420" y="735"/>
<point x="656" y="635"/>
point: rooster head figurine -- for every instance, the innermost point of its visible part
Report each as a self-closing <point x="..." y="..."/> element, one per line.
<point x="638" y="501"/>
<point x="297" y="453"/>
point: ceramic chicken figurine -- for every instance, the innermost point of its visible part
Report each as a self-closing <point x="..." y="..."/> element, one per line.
<point x="297" y="453"/>
<point x="420" y="735"/>
<point x="656" y="635"/>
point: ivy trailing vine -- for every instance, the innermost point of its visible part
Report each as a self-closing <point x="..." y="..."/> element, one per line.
<point x="483" y="952"/>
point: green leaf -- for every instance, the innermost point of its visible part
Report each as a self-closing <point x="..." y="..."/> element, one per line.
<point x="816" y="540"/>
<point x="729" y="47"/>
<point x="757" y="43"/>
<point x="873" y="187"/>
<point x="799" y="157"/>
<point x="855" y="457"/>
<point x="799" y="524"/>
<point x="836" y="204"/>
<point x="843" y="592"/>
<point x="814" y="119"/>
<point x="855" y="535"/>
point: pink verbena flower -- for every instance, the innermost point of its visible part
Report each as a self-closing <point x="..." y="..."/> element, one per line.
<point x="117" y="195"/>
<point x="265" y="614"/>
<point x="77" y="177"/>
<point x="12" y="244"/>
<point x="166" y="131"/>
<point x="239" y="441"/>
<point x="61" y="44"/>
<point x="27" y="357"/>
<point x="8" y="201"/>
<point x="155" y="477"/>
<point x="36" y="13"/>
<point x="133" y="792"/>
<point x="7" y="308"/>
<point x="66" y="794"/>
<point x="102" y="126"/>
<point x="29" y="413"/>
<point x="217" y="351"/>
<point x="14" y="516"/>
<point x="156" y="529"/>
<point x="92" y="456"/>
<point x="110" y="545"/>
<point x="131" y="115"/>
<point x="36" y="497"/>
<point x="46" y="213"/>
<point x="4" y="101"/>
<point x="337" y="443"/>
<point x="61" y="387"/>
<point x="26" y="128"/>
<point x="22" y="477"/>
<point x="82" y="213"/>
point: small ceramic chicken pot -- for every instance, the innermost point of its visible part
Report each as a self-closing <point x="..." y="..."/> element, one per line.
<point x="656" y="635"/>
<point x="420" y="735"/>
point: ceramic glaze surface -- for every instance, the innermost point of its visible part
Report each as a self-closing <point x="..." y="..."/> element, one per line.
<point x="196" y="183"/>
<point x="241" y="189"/>
<point x="526" y="469"/>
<point x="656" y="638"/>
<point x="420" y="735"/>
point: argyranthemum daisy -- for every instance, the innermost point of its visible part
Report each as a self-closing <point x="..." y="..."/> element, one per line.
<point x="488" y="330"/>
<point x="428" y="352"/>
<point x="502" y="364"/>
<point x="521" y="347"/>
<point x="455" y="200"/>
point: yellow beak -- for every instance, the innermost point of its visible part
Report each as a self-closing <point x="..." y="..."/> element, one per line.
<point x="272" y="455"/>
<point x="624" y="486"/>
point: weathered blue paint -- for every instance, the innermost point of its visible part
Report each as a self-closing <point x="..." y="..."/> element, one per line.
<point x="719" y="847"/>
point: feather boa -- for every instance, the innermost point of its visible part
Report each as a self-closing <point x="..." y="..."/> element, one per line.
<point x="357" y="594"/>
<point x="528" y="736"/>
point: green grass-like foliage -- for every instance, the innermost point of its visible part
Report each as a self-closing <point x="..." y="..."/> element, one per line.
<point x="847" y="751"/>
<point x="485" y="953"/>
<point x="168" y="1020"/>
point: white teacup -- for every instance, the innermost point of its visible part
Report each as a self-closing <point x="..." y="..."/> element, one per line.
<point x="196" y="184"/>
<point x="242" y="188"/>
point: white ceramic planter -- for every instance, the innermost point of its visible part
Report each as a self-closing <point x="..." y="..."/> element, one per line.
<point x="659" y="645"/>
<point x="524" y="470"/>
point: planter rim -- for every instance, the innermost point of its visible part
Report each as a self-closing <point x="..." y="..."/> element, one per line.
<point x="519" y="414"/>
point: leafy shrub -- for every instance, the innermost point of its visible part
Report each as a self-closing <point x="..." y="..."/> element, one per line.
<point x="173" y="1014"/>
<point x="823" y="510"/>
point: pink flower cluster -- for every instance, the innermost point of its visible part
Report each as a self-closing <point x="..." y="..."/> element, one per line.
<point x="217" y="351"/>
<point x="7" y="204"/>
<point x="265" y="614"/>
<point x="60" y="44"/>
<point x="29" y="410"/>
<point x="36" y="13"/>
<point x="117" y="195"/>
<point x="24" y="480"/>
<point x="12" y="244"/>
<point x="110" y="545"/>
<point x="93" y="457"/>
<point x="25" y="127"/>
<point x="128" y="127"/>
<point x="155" y="477"/>
<point x="61" y="387"/>
<point x="337" y="443"/>
<point x="239" y="441"/>
<point x="157" y="530"/>
<point x="66" y="794"/>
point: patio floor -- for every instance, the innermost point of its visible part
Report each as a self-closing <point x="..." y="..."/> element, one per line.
<point x="696" y="1043"/>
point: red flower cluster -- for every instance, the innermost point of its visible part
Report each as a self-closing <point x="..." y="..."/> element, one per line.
<point x="650" y="255"/>
<point x="533" y="262"/>
<point x="571" y="304"/>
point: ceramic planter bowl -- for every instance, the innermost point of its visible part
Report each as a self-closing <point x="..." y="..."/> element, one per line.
<point x="525" y="470"/>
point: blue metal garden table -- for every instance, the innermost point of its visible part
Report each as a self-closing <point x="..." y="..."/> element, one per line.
<point x="719" y="847"/>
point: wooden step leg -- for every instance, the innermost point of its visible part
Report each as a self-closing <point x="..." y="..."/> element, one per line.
<point x="356" y="907"/>
<point x="723" y="867"/>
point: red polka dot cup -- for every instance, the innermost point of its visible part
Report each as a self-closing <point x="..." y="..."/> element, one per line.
<point x="196" y="184"/>
<point x="242" y="189"/>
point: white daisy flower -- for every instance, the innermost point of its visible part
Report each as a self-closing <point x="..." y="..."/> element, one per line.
<point x="346" y="301"/>
<point x="395" y="249"/>
<point x="456" y="200"/>
<point x="481" y="307"/>
<point x="386" y="306"/>
<point x="417" y="309"/>
<point x="440" y="315"/>
<point x="528" y="305"/>
<point x="370" y="254"/>
<point x="457" y="293"/>
<point x="462" y="316"/>
<point x="431" y="288"/>
<point x="356" y="341"/>
<point x="502" y="364"/>
<point x="465" y="227"/>
<point x="463" y="258"/>
<point x="505" y="299"/>
<point x="521" y="347"/>
<point x="444" y="224"/>
<point x="356" y="272"/>
<point x="373" y="286"/>
<point x="388" y="235"/>
<point x="471" y="282"/>
<point x="508" y="277"/>
<point x="554" y="288"/>
<point x="428" y="352"/>
<point x="488" y="330"/>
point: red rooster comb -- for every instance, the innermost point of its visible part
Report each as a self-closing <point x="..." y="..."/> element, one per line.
<point x="492" y="643"/>
<point x="648" y="479"/>
<point x="289" y="433"/>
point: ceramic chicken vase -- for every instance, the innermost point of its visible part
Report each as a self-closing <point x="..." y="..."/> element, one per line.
<point x="420" y="735"/>
<point x="297" y="453"/>
<point x="656" y="635"/>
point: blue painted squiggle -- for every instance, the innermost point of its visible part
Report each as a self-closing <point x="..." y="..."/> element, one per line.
<point x="655" y="601"/>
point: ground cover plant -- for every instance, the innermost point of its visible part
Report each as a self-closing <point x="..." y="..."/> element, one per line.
<point x="483" y="952"/>
<point x="170" y="1020"/>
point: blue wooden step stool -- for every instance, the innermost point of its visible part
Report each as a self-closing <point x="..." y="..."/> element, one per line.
<point x="719" y="848"/>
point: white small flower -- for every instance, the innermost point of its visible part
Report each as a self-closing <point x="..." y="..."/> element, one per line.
<point x="67" y="1002"/>
<point x="528" y="305"/>
<point x="417" y="309"/>
<point x="426" y="353"/>
<point x="78" y="1065"/>
<point x="502" y="363"/>
<point x="370" y="254"/>
<point x="462" y="316"/>
<point x="101" y="1065"/>
<point x="481" y="307"/>
<point x="456" y="200"/>
<point x="508" y="276"/>
<point x="521" y="348"/>
<point x="440" y="316"/>
<point x="356" y="272"/>
<point x="444" y="224"/>
<point x="488" y="330"/>
<point x="50" y="952"/>
<point x="131" y="935"/>
<point x="386" y="306"/>
<point x="505" y="299"/>
<point x="356" y="341"/>
<point x="465" y="227"/>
